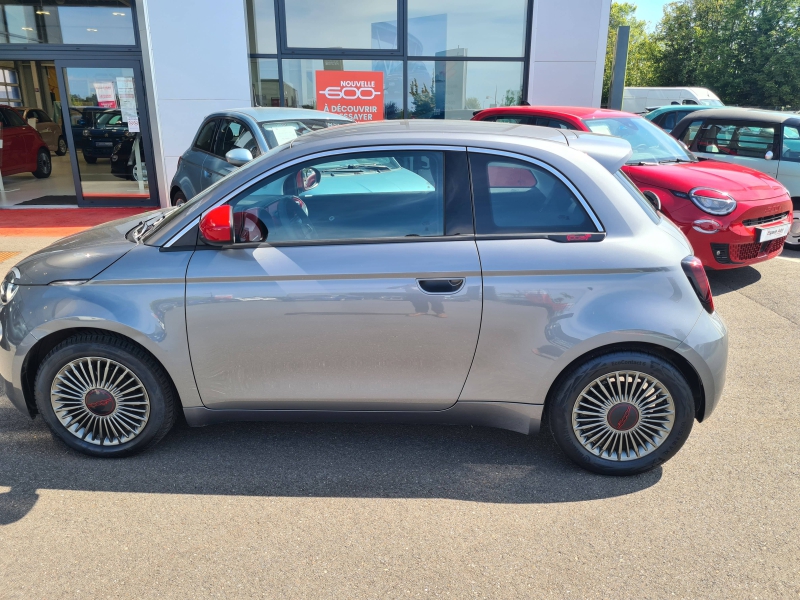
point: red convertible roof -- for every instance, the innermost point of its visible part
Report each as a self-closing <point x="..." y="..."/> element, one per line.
<point x="579" y="112"/>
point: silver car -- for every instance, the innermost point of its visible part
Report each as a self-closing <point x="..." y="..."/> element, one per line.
<point x="417" y="272"/>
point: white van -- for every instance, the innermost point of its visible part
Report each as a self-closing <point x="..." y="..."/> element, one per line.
<point x="639" y="99"/>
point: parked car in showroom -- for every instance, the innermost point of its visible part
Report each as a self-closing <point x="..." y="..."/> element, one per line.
<point x="106" y="132"/>
<point x="734" y="216"/>
<point x="228" y="139"/>
<point x="667" y="116"/>
<point x="768" y="141"/>
<point x="24" y="150"/>
<point x="49" y="130"/>
<point x="312" y="283"/>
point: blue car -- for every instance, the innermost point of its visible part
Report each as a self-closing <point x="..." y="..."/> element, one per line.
<point x="228" y="139"/>
<point x="667" y="117"/>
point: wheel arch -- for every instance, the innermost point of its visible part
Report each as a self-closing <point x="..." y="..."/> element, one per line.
<point x="38" y="352"/>
<point x="679" y="362"/>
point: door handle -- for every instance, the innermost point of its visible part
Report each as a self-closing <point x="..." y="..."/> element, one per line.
<point x="441" y="286"/>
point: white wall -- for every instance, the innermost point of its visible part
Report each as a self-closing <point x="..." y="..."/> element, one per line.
<point x="200" y="66"/>
<point x="568" y="46"/>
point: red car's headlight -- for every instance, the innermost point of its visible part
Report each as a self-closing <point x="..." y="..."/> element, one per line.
<point x="712" y="201"/>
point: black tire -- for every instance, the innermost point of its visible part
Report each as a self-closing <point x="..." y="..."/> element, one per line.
<point x="90" y="159"/>
<point x="142" y="365"/>
<point x="62" y="146"/>
<point x="178" y="198"/>
<point x="560" y="411"/>
<point x="44" y="165"/>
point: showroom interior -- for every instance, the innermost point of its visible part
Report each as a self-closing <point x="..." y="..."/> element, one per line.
<point x="117" y="88"/>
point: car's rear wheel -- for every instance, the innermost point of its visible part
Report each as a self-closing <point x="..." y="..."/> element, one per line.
<point x="62" y="146"/>
<point x="793" y="239"/>
<point x="178" y="198"/>
<point x="43" y="164"/>
<point x="622" y="413"/>
<point x="104" y="396"/>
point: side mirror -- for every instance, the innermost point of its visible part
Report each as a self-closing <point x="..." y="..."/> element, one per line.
<point x="308" y="179"/>
<point x="216" y="226"/>
<point x="653" y="198"/>
<point x="238" y="157"/>
<point x="769" y="155"/>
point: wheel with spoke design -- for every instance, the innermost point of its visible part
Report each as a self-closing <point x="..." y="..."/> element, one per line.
<point x="622" y="413"/>
<point x="104" y="396"/>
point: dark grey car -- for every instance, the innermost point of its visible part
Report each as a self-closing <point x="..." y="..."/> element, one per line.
<point x="425" y="272"/>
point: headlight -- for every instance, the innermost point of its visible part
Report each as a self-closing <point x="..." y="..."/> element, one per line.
<point x="86" y="133"/>
<point x="712" y="201"/>
<point x="9" y="287"/>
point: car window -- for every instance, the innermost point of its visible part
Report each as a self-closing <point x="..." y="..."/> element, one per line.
<point x="12" y="118"/>
<point x="650" y="143"/>
<point x="668" y="120"/>
<point x="791" y="144"/>
<point x="42" y="116"/>
<point x="233" y="134"/>
<point x="637" y="195"/>
<point x="554" y="123"/>
<point x="691" y="132"/>
<point x="205" y="136"/>
<point x="358" y="196"/>
<point x="512" y="196"/>
<point x="747" y="140"/>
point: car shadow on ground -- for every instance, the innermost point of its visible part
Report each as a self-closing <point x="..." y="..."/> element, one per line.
<point x="307" y="460"/>
<point x="730" y="280"/>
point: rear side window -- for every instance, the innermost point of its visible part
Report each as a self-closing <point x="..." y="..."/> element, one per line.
<point x="751" y="140"/>
<point x="205" y="137"/>
<point x="513" y="196"/>
<point x="12" y="118"/>
<point x="554" y="123"/>
<point x="637" y="195"/>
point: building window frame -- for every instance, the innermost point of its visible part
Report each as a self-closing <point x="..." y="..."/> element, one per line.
<point x="400" y="54"/>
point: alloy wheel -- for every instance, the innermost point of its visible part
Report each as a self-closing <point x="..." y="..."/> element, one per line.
<point x="44" y="163"/>
<point x="624" y="415"/>
<point x="100" y="401"/>
<point x="62" y="146"/>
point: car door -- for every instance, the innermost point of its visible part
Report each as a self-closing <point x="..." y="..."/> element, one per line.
<point x="745" y="143"/>
<point x="189" y="176"/>
<point x="46" y="128"/>
<point x="231" y="134"/>
<point x="16" y="156"/>
<point x="525" y="211"/>
<point x="789" y="164"/>
<point x="367" y="302"/>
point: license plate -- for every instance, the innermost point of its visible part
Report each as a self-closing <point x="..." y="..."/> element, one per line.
<point x="104" y="144"/>
<point x="765" y="234"/>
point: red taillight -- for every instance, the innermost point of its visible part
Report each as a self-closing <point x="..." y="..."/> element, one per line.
<point x="697" y="277"/>
<point x="216" y="226"/>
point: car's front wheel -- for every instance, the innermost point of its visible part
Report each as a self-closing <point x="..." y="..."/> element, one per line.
<point x="103" y="396"/>
<point x="622" y="413"/>
<point x="178" y="198"/>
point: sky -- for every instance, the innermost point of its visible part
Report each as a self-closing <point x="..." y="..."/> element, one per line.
<point x="650" y="10"/>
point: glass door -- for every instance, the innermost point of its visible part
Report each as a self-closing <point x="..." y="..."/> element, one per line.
<point x="107" y="127"/>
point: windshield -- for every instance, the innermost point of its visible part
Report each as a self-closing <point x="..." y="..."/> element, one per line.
<point x="709" y="102"/>
<point x="109" y="120"/>
<point x="650" y="143"/>
<point x="280" y="132"/>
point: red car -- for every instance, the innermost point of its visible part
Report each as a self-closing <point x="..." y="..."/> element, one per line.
<point x="733" y="216"/>
<point x="24" y="150"/>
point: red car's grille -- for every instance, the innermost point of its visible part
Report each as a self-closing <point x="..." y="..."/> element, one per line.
<point x="764" y="220"/>
<point x="745" y="252"/>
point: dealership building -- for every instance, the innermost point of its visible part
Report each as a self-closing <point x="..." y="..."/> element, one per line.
<point x="126" y="83"/>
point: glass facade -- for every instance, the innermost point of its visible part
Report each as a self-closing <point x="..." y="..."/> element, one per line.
<point x="78" y="22"/>
<point x="389" y="59"/>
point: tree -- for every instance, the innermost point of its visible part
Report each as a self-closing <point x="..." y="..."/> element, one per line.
<point x="642" y="48"/>
<point x="746" y="51"/>
<point x="423" y="100"/>
<point x="512" y="98"/>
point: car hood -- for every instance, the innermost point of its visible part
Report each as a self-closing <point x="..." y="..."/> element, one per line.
<point x="741" y="183"/>
<point x="83" y="255"/>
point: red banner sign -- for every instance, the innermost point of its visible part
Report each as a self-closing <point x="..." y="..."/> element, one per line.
<point x="357" y="95"/>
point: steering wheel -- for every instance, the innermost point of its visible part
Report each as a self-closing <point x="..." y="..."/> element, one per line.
<point x="294" y="219"/>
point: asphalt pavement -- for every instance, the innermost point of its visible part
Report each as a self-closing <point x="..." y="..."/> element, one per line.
<point x="390" y="511"/>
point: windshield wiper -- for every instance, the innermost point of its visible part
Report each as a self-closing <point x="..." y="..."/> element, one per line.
<point x="143" y="227"/>
<point x="675" y="160"/>
<point x="642" y="163"/>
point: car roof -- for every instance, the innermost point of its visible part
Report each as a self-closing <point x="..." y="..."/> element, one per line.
<point x="673" y="107"/>
<point x="268" y="113"/>
<point x="739" y="114"/>
<point x="609" y="151"/>
<point x="578" y="112"/>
